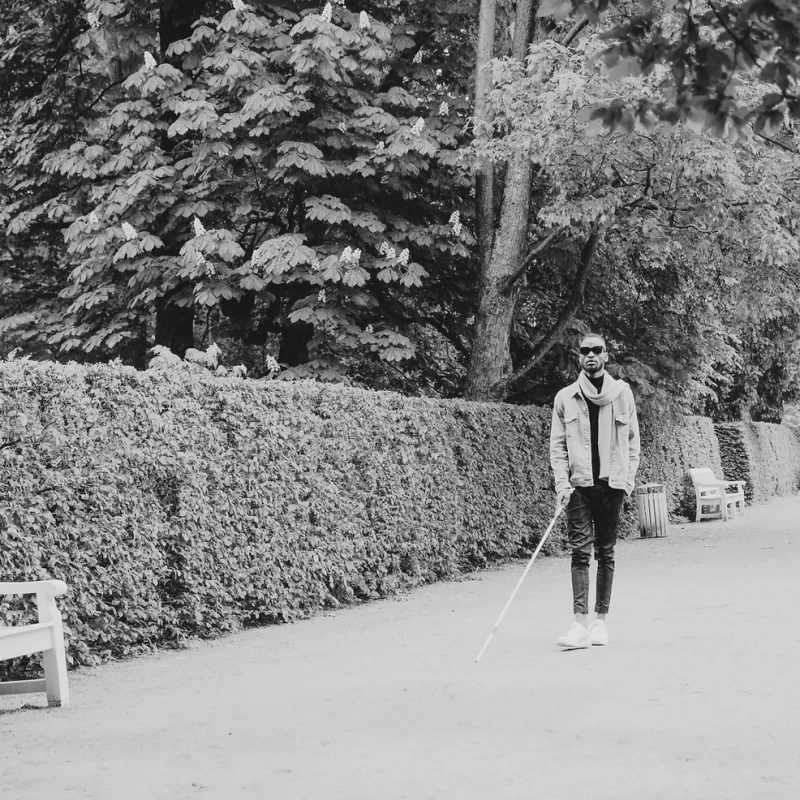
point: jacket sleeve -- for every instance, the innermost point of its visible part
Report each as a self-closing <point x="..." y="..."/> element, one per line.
<point x="634" y="446"/>
<point x="559" y="457"/>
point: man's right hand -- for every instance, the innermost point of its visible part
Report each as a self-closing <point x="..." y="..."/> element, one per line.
<point x="564" y="496"/>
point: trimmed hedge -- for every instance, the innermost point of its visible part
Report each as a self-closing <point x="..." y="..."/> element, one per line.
<point x="735" y="456"/>
<point x="178" y="505"/>
<point x="765" y="455"/>
<point x="669" y="450"/>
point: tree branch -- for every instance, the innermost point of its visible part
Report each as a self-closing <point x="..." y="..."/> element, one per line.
<point x="571" y="307"/>
<point x="645" y="190"/>
<point x="776" y="142"/>
<point x="509" y="282"/>
<point x="739" y="41"/>
<point x="570" y="35"/>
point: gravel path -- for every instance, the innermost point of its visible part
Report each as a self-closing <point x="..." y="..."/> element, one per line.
<point x="698" y="695"/>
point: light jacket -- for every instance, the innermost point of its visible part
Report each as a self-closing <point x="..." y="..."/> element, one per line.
<point x="571" y="445"/>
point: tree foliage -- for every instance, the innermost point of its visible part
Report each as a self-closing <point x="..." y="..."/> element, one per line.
<point x="707" y="45"/>
<point x="269" y="167"/>
<point x="679" y="221"/>
<point x="307" y="182"/>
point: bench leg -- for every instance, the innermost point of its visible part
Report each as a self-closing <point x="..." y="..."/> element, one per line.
<point x="55" y="672"/>
<point x="54" y="660"/>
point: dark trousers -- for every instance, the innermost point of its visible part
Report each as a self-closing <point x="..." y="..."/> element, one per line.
<point x="593" y="518"/>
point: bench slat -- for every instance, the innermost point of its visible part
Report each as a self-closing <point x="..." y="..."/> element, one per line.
<point x="50" y="587"/>
<point x="27" y="639"/>
<point x="23" y="687"/>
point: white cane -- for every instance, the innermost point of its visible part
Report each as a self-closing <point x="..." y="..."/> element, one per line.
<point x="516" y="589"/>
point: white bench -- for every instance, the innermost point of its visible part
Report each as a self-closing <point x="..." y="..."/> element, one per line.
<point x="45" y="637"/>
<point x="712" y="492"/>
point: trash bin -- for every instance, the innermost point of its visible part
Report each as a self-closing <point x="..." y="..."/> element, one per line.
<point x="651" y="503"/>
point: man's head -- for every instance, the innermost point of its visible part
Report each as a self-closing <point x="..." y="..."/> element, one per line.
<point x="593" y="355"/>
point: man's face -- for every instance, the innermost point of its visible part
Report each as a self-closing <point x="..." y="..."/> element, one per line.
<point x="593" y="356"/>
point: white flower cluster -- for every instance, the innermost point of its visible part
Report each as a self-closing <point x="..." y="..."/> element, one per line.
<point x="238" y="5"/>
<point x="369" y="329"/>
<point x="363" y="21"/>
<point x="418" y="57"/>
<point x="149" y="61"/>
<point x="327" y="12"/>
<point x="387" y="250"/>
<point x="272" y="364"/>
<point x="202" y="261"/>
<point x="455" y="221"/>
<point x="199" y="230"/>
<point x="93" y="219"/>
<point x="350" y="256"/>
<point x="418" y="126"/>
<point x="316" y="265"/>
<point x="93" y="19"/>
<point x="380" y="147"/>
<point x="444" y="109"/>
<point x="322" y="297"/>
<point x="129" y="231"/>
<point x="342" y="126"/>
<point x="403" y="259"/>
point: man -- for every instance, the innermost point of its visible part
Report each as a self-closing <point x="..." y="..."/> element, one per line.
<point x="594" y="452"/>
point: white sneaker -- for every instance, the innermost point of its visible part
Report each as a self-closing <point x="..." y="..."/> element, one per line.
<point x="598" y="634"/>
<point x="576" y="637"/>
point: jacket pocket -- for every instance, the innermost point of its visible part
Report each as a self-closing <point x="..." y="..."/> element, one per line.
<point x="623" y="418"/>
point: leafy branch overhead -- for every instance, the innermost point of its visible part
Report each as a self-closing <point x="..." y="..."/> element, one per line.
<point x="706" y="47"/>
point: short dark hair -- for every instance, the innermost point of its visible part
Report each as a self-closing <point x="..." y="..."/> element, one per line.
<point x="594" y="336"/>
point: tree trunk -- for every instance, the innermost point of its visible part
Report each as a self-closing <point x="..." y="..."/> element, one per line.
<point x="176" y="18"/>
<point x="174" y="327"/>
<point x="501" y="253"/>
<point x="175" y="324"/>
<point x="295" y="337"/>
<point x="490" y="361"/>
<point x="484" y="170"/>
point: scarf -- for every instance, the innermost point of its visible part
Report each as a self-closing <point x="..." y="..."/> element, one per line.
<point x="605" y="421"/>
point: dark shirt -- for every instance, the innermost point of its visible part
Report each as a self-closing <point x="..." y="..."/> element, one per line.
<point x="594" y="415"/>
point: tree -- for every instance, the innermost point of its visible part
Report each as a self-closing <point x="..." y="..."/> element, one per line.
<point x="706" y="45"/>
<point x="618" y="201"/>
<point x="312" y="123"/>
<point x="33" y="42"/>
<point x="501" y="234"/>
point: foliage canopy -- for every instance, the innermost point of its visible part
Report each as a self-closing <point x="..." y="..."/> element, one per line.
<point x="296" y="182"/>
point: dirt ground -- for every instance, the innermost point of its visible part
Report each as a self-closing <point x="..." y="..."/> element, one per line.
<point x="697" y="696"/>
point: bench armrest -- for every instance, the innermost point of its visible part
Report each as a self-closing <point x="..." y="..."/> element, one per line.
<point x="53" y="588"/>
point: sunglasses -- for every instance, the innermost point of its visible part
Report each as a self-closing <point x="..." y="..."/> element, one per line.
<point x="596" y="350"/>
